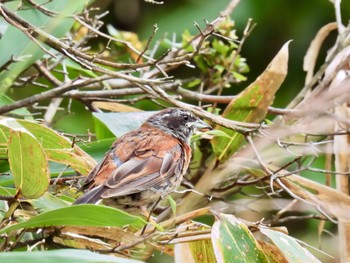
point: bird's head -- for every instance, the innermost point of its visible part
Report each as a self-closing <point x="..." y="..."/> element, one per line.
<point x="177" y="122"/>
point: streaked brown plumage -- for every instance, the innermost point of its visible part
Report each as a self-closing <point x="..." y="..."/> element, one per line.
<point x="145" y="164"/>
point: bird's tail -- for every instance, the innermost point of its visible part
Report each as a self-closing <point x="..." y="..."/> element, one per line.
<point x="91" y="197"/>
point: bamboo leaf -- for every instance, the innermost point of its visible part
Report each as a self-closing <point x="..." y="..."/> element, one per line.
<point x="80" y="215"/>
<point x="59" y="148"/>
<point x="62" y="255"/>
<point x="47" y="137"/>
<point x="120" y="123"/>
<point x="81" y="164"/>
<point x="251" y="105"/>
<point x="202" y="251"/>
<point x="290" y="248"/>
<point x="233" y="242"/>
<point x="28" y="164"/>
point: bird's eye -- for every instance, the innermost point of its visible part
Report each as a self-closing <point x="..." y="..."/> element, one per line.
<point x="185" y="117"/>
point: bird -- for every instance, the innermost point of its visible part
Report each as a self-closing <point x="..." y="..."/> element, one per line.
<point x="144" y="165"/>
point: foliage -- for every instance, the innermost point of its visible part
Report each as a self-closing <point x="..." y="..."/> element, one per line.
<point x="255" y="164"/>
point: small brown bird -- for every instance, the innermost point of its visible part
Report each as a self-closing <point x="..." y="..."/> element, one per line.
<point x="145" y="164"/>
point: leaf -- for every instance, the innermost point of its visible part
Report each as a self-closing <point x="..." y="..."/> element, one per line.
<point x="81" y="164"/>
<point x="233" y="242"/>
<point x="290" y="248"/>
<point x="101" y="130"/>
<point x="62" y="255"/>
<point x="120" y="123"/>
<point x="252" y="104"/>
<point x="28" y="164"/>
<point x="324" y="197"/>
<point x="97" y="149"/>
<point x="47" y="202"/>
<point x="6" y="191"/>
<point x="208" y="134"/>
<point x="80" y="215"/>
<point x="310" y="58"/>
<point x="115" y="234"/>
<point x="202" y="251"/>
<point x="195" y="252"/>
<point x="59" y="148"/>
<point x="96" y="238"/>
<point x="272" y="252"/>
<point x="172" y="203"/>
<point x="25" y="49"/>
<point x="47" y="137"/>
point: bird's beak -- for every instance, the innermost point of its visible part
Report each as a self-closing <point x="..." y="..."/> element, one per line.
<point x="200" y="125"/>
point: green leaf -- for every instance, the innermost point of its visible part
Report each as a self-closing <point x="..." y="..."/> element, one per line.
<point x="6" y="191"/>
<point x="59" y="148"/>
<point x="25" y="49"/>
<point x="252" y="104"/>
<point x="62" y="255"/>
<point x="214" y="133"/>
<point x="28" y="164"/>
<point x="233" y="242"/>
<point x="220" y="47"/>
<point x="194" y="83"/>
<point x="80" y="215"/>
<point x="172" y="203"/>
<point x="101" y="130"/>
<point x="120" y="123"/>
<point x="47" y="137"/>
<point x="47" y="202"/>
<point x="80" y="163"/>
<point x="97" y="149"/>
<point x="289" y="247"/>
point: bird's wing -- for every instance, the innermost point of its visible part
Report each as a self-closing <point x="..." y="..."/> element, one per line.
<point x="138" y="161"/>
<point x="100" y="173"/>
<point x="121" y="151"/>
<point x="142" y="173"/>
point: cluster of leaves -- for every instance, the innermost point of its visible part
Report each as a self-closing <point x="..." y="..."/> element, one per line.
<point x="219" y="59"/>
<point x="41" y="167"/>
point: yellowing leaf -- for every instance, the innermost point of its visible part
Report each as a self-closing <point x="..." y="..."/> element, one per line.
<point x="289" y="247"/>
<point x="28" y="164"/>
<point x="251" y="105"/>
<point x="329" y="200"/>
<point x="80" y="215"/>
<point x="59" y="148"/>
<point x="202" y="251"/>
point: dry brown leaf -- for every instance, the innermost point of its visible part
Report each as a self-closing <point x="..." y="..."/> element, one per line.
<point x="115" y="234"/>
<point x="314" y="48"/>
<point x="342" y="161"/>
<point x="323" y="197"/>
<point x="272" y="252"/>
<point x="81" y="242"/>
